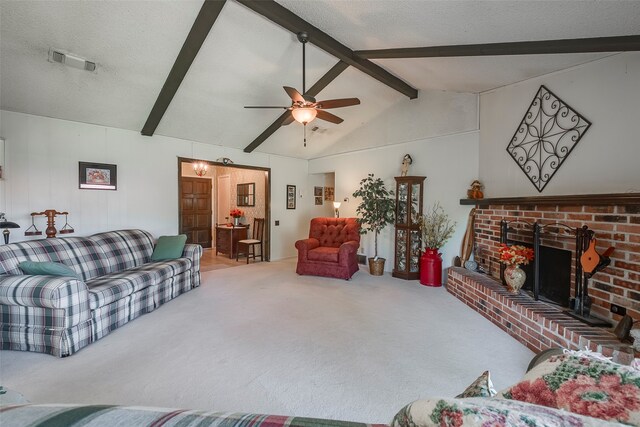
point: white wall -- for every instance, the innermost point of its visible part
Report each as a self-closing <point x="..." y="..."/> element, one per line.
<point x="41" y="165"/>
<point x="607" y="93"/>
<point x="440" y="131"/>
<point x="449" y="163"/>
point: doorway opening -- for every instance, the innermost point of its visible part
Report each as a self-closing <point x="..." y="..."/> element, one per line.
<point x="205" y="204"/>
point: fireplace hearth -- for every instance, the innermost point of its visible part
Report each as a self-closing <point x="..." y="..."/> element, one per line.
<point x="613" y="218"/>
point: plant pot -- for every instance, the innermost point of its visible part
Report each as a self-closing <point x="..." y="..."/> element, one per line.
<point x="431" y="268"/>
<point x="376" y="266"/>
<point x="236" y="221"/>
<point x="515" y="278"/>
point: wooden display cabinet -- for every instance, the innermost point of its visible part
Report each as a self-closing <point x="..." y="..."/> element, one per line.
<point x="408" y="239"/>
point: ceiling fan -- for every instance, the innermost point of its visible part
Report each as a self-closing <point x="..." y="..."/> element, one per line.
<point x="305" y="108"/>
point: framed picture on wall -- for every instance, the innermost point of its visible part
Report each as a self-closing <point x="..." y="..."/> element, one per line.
<point x="328" y="194"/>
<point x="318" y="200"/>
<point x="317" y="191"/>
<point x="291" y="196"/>
<point x="98" y="176"/>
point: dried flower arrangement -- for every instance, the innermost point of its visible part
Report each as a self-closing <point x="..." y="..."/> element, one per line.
<point x="436" y="227"/>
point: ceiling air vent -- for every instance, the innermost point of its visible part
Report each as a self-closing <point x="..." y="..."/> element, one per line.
<point x="71" y="60"/>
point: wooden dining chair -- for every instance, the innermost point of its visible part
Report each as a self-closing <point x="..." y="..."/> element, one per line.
<point x="248" y="246"/>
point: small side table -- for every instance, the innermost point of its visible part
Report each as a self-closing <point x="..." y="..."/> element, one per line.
<point x="227" y="238"/>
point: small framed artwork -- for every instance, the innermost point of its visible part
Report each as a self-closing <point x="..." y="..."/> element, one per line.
<point x="317" y="191"/>
<point x="318" y="200"/>
<point x="98" y="176"/>
<point x="328" y="194"/>
<point x="291" y="196"/>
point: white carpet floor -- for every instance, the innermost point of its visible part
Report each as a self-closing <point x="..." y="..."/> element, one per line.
<point x="260" y="338"/>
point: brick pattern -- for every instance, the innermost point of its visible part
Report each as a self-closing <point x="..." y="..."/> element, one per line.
<point x="535" y="324"/>
<point x="617" y="226"/>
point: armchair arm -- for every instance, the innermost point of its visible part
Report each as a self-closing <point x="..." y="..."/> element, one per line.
<point x="43" y="291"/>
<point x="304" y="246"/>
<point x="347" y="251"/>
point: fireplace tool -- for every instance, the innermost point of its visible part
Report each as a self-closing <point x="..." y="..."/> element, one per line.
<point x="588" y="263"/>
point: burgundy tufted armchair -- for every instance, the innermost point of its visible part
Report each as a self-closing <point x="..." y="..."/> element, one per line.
<point x="330" y="249"/>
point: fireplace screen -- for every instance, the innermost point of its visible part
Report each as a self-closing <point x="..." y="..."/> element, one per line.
<point x="554" y="276"/>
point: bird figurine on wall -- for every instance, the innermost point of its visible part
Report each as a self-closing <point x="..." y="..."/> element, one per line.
<point x="406" y="162"/>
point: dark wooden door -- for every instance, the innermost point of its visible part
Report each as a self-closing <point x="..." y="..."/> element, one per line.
<point x="195" y="210"/>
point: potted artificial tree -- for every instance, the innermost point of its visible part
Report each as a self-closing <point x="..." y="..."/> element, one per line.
<point x="376" y="211"/>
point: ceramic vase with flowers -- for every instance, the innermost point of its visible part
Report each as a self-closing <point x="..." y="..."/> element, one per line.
<point x="236" y="214"/>
<point x="513" y="257"/>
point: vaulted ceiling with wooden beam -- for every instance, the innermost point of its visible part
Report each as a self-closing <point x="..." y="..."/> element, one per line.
<point x="186" y="69"/>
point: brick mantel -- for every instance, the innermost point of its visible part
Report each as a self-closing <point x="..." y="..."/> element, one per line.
<point x="619" y="199"/>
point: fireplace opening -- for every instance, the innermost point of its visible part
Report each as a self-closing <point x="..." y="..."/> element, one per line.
<point x="554" y="277"/>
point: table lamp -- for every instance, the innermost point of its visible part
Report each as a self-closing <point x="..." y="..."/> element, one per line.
<point x="6" y="225"/>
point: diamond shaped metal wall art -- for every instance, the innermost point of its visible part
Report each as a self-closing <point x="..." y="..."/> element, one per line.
<point x="549" y="131"/>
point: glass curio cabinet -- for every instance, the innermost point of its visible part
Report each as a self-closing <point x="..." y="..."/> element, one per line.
<point x="408" y="239"/>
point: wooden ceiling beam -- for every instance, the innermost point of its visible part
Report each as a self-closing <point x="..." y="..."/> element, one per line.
<point x="292" y="22"/>
<point x="543" y="47"/>
<point x="207" y="16"/>
<point x="314" y="90"/>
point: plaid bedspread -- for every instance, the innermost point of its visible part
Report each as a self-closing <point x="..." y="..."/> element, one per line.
<point x="106" y="415"/>
<point x="60" y="315"/>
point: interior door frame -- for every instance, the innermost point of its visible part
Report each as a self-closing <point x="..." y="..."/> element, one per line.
<point x="267" y="201"/>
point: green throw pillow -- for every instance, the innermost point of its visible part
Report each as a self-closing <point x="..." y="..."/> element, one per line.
<point x="47" y="269"/>
<point x="169" y="247"/>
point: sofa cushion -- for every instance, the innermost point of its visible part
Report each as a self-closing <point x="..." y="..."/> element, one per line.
<point x="166" y="269"/>
<point x="483" y="412"/>
<point x="323" y="253"/>
<point x="81" y="254"/>
<point x="125" y="248"/>
<point x="47" y="268"/>
<point x="169" y="247"/>
<point x="584" y="385"/>
<point x="109" y="288"/>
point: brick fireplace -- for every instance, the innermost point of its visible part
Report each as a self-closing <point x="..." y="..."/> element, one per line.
<point x="615" y="220"/>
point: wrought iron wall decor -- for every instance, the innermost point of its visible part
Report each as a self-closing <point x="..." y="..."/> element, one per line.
<point x="547" y="134"/>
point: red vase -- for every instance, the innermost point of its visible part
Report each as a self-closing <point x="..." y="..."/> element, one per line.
<point x="431" y="268"/>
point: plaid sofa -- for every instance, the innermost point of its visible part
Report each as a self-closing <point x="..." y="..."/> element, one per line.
<point x="109" y="415"/>
<point x="117" y="283"/>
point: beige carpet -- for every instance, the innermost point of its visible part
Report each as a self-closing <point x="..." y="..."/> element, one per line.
<point x="260" y="338"/>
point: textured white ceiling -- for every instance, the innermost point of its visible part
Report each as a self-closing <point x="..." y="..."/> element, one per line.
<point x="246" y="60"/>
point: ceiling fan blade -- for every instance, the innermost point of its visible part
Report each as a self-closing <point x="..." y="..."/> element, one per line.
<point x="337" y="103"/>
<point x="329" y="117"/>
<point x="309" y="99"/>
<point x="288" y="120"/>
<point x="264" y="106"/>
<point x="294" y="94"/>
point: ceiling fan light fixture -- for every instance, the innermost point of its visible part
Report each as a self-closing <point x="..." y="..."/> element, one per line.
<point x="304" y="115"/>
